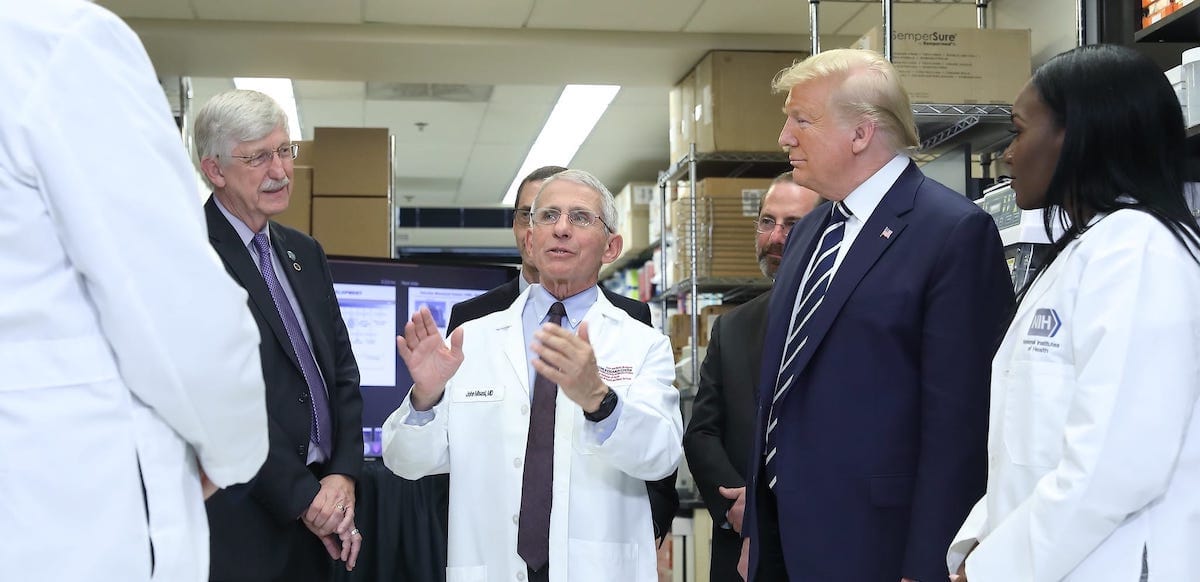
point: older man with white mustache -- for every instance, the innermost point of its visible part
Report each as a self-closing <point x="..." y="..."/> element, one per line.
<point x="298" y="513"/>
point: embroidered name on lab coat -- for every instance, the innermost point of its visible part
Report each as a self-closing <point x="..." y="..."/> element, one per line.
<point x="479" y="394"/>
<point x="616" y="373"/>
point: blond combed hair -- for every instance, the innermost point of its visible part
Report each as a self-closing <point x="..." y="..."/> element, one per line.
<point x="869" y="89"/>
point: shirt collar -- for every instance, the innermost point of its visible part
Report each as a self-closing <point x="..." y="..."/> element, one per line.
<point x="577" y="305"/>
<point x="863" y="199"/>
<point x="240" y="227"/>
<point x="523" y="283"/>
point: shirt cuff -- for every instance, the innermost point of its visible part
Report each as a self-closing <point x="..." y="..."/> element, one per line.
<point x="419" y="417"/>
<point x="604" y="429"/>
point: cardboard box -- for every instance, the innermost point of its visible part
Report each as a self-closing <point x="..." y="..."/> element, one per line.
<point x="359" y="227"/>
<point x="351" y="161"/>
<point x="299" y="211"/>
<point x="957" y="65"/>
<point x="682" y="103"/>
<point x="633" y="206"/>
<point x="737" y="110"/>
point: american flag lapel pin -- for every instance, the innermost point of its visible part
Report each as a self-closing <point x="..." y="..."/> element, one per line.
<point x="887" y="232"/>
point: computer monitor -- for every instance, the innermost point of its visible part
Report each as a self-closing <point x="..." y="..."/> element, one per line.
<point x="377" y="297"/>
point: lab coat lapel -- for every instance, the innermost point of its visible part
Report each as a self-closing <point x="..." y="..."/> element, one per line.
<point x="511" y="332"/>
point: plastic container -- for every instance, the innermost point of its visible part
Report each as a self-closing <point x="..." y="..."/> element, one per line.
<point x="1191" y="84"/>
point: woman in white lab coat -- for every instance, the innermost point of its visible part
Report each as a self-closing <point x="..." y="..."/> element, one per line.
<point x="1094" y="448"/>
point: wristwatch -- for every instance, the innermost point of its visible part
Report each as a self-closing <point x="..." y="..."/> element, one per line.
<point x="607" y="406"/>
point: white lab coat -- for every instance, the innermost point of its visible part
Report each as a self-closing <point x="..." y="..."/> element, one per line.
<point x="600" y="527"/>
<point x="1094" y="448"/>
<point x="125" y="349"/>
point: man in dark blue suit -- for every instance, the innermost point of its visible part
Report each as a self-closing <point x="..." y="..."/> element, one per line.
<point x="870" y="439"/>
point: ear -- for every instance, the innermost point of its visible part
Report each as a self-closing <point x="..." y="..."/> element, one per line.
<point x="212" y="171"/>
<point x="613" y="249"/>
<point x="529" y="243"/>
<point x="864" y="132"/>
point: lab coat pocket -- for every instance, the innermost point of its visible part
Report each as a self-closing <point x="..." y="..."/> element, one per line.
<point x="466" y="574"/>
<point x="1035" y="411"/>
<point x="601" y="561"/>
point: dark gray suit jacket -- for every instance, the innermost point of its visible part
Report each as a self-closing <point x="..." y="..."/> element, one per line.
<point x="718" y="437"/>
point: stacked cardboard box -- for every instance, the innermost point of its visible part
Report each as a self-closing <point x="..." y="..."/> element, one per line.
<point x="299" y="211"/>
<point x="351" y="211"/>
<point x="633" y="208"/>
<point x="957" y="65"/>
<point x="724" y="228"/>
<point x="726" y="103"/>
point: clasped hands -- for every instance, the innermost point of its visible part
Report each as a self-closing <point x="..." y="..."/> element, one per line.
<point x="330" y="517"/>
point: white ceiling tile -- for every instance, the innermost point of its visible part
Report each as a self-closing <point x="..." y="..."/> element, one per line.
<point x="526" y="94"/>
<point x="469" y="13"/>
<point x="512" y="124"/>
<point x="329" y="113"/>
<point x="327" y="11"/>
<point x="347" y="90"/>
<point x="429" y="161"/>
<point x="445" y="122"/>
<point x="490" y="169"/>
<point x="628" y="15"/>
<point x="179" y="9"/>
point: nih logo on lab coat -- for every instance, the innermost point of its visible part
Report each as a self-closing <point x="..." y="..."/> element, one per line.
<point x="1046" y="323"/>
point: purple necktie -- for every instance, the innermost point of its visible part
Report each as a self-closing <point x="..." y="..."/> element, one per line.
<point x="537" y="483"/>
<point x="321" y="430"/>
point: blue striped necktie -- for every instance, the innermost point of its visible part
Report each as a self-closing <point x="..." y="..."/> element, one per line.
<point x="809" y="298"/>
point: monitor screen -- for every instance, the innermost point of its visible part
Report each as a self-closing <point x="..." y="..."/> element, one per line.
<point x="377" y="297"/>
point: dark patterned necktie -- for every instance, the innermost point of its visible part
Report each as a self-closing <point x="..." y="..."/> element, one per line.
<point x="321" y="430"/>
<point x="533" y="533"/>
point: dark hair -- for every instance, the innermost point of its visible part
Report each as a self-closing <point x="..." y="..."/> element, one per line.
<point x="1124" y="136"/>
<point x="537" y="175"/>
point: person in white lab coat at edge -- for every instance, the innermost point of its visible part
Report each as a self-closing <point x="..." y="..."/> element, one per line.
<point x="1094" y="448"/>
<point x="129" y="361"/>
<point x="611" y="423"/>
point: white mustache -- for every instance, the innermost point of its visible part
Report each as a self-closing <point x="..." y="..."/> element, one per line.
<point x="270" y="185"/>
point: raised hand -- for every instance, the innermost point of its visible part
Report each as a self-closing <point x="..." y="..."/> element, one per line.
<point x="430" y="362"/>
<point x="568" y="360"/>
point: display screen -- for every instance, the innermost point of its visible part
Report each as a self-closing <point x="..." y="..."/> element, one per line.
<point x="377" y="297"/>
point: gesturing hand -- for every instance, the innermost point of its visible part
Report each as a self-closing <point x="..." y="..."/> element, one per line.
<point x="430" y="362"/>
<point x="568" y="360"/>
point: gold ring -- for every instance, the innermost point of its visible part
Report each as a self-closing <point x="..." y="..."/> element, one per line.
<point x="340" y="507"/>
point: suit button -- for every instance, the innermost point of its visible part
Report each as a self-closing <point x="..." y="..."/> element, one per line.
<point x="302" y="398"/>
<point x="301" y="450"/>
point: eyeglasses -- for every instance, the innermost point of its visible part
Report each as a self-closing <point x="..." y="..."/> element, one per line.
<point x="522" y="216"/>
<point x="766" y="224"/>
<point x="285" y="153"/>
<point x="580" y="218"/>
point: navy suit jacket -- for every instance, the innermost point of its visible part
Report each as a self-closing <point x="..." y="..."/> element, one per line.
<point x="882" y="439"/>
<point x="252" y="525"/>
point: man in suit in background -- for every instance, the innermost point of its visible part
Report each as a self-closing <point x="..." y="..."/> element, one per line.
<point x="717" y="440"/>
<point x="664" y="499"/>
<point x="870" y="442"/>
<point x="298" y="513"/>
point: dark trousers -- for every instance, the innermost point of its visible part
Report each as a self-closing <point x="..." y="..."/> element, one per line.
<point x="307" y="559"/>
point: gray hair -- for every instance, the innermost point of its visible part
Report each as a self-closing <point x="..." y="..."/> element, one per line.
<point x="869" y="88"/>
<point x="233" y="117"/>
<point x="608" y="206"/>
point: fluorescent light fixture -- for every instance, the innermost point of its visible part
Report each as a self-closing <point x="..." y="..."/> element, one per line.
<point x="281" y="91"/>
<point x="578" y="109"/>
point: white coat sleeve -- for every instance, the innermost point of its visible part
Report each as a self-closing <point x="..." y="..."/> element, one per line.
<point x="1137" y="376"/>
<point x="413" y="451"/>
<point x="107" y="157"/>
<point x="647" y="442"/>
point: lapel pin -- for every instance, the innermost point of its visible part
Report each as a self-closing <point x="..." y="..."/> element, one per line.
<point x="291" y="255"/>
<point x="887" y="232"/>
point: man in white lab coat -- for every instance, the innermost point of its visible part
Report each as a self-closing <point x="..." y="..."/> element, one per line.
<point x="548" y="431"/>
<point x="128" y="359"/>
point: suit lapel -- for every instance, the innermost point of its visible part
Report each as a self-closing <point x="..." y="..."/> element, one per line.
<point x="882" y="229"/>
<point x="236" y="256"/>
